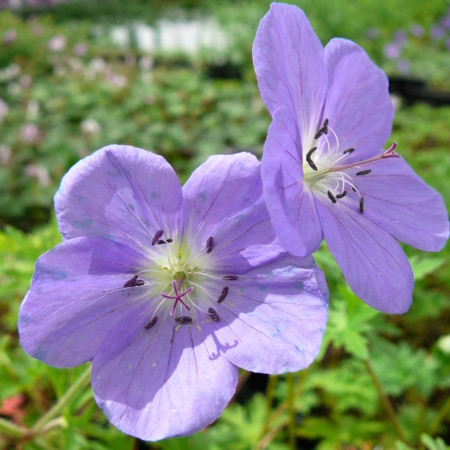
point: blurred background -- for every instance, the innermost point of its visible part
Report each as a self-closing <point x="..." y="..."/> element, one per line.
<point x="176" y="77"/>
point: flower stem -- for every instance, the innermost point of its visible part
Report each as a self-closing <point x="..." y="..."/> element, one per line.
<point x="11" y="429"/>
<point x="291" y="410"/>
<point x="65" y="400"/>
<point x="439" y="417"/>
<point x="385" y="400"/>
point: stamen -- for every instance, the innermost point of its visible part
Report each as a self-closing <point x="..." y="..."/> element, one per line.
<point x="169" y="240"/>
<point x="361" y="205"/>
<point x="323" y="130"/>
<point x="213" y="314"/>
<point x="209" y="244"/>
<point x="222" y="295"/>
<point x="364" y="172"/>
<point x="156" y="237"/>
<point x="182" y="320"/>
<point x="161" y="241"/>
<point x="309" y="160"/>
<point x="230" y="277"/>
<point x="349" y="150"/>
<point x="331" y="197"/>
<point x="151" y="323"/>
<point x="131" y="282"/>
<point x="134" y="281"/>
<point x="341" y="195"/>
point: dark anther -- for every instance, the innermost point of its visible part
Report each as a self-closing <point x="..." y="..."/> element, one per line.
<point x="222" y="295"/>
<point x="331" y="197"/>
<point x="364" y="172"/>
<point x="230" y="277"/>
<point x="213" y="314"/>
<point x="341" y="195"/>
<point x="169" y="240"/>
<point x="323" y="130"/>
<point x="209" y="244"/>
<point x="349" y="150"/>
<point x="156" y="237"/>
<point x="361" y="204"/>
<point x="135" y="281"/>
<point x="151" y="323"/>
<point x="183" y="320"/>
<point x="354" y="190"/>
<point x="161" y="241"/>
<point x="309" y="160"/>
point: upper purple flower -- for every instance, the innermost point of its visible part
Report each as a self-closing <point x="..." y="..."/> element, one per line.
<point x="168" y="289"/>
<point x="323" y="172"/>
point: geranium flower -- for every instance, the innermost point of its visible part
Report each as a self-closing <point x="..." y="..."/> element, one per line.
<point x="167" y="290"/>
<point x="323" y="172"/>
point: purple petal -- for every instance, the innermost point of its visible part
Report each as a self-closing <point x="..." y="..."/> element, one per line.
<point x="76" y="297"/>
<point x="291" y="205"/>
<point x="290" y="67"/>
<point x="398" y="201"/>
<point x="273" y="317"/>
<point x="164" y="383"/>
<point x="371" y="260"/>
<point x="358" y="105"/>
<point x="121" y="193"/>
<point x="219" y="192"/>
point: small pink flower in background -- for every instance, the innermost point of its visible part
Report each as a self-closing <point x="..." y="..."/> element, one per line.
<point x="29" y="133"/>
<point x="9" y="36"/>
<point x="145" y="63"/>
<point x="4" y="108"/>
<point x="5" y="155"/>
<point x="117" y="80"/>
<point x="392" y="51"/>
<point x="57" y="43"/>
<point x="25" y="81"/>
<point x="80" y="49"/>
<point x="90" y="127"/>
<point x="39" y="173"/>
<point x="32" y="110"/>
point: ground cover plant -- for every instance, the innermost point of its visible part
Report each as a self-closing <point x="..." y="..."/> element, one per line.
<point x="65" y="91"/>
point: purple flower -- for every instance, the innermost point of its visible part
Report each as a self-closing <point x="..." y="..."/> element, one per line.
<point x="392" y="50"/>
<point x="400" y="37"/>
<point x="437" y="32"/>
<point x="323" y="172"/>
<point x="417" y="30"/>
<point x="57" y="43"/>
<point x="167" y="290"/>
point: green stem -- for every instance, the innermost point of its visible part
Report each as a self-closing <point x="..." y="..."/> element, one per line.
<point x="439" y="417"/>
<point x="291" y="410"/>
<point x="12" y="430"/>
<point x="385" y="400"/>
<point x="270" y="391"/>
<point x="65" y="400"/>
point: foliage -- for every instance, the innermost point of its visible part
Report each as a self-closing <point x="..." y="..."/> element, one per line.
<point x="182" y="107"/>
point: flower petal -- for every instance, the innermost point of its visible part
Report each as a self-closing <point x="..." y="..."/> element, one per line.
<point x="273" y="317"/>
<point x="291" y="205"/>
<point x="220" y="191"/>
<point x="398" y="201"/>
<point x="122" y="193"/>
<point x="358" y="105"/>
<point x="76" y="297"/>
<point x="290" y="67"/>
<point x="373" y="263"/>
<point x="164" y="383"/>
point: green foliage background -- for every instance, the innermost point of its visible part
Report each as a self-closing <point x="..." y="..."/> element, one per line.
<point x="379" y="381"/>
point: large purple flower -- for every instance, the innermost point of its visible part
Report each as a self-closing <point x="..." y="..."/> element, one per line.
<point x="323" y="172"/>
<point x="168" y="289"/>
